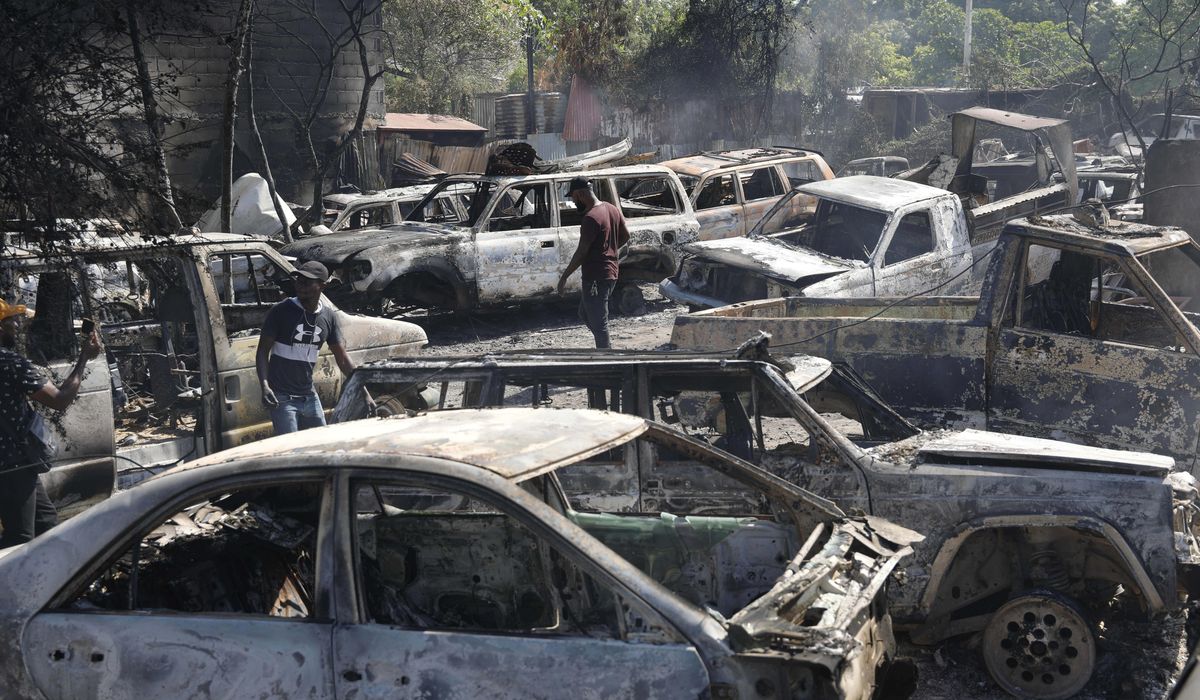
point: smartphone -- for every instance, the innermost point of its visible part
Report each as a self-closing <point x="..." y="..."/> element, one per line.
<point x="86" y="328"/>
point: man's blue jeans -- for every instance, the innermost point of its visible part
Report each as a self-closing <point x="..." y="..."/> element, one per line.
<point x="297" y="412"/>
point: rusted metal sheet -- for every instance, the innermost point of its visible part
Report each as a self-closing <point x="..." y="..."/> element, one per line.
<point x="584" y="111"/>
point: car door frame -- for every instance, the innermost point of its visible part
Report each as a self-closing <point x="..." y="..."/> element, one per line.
<point x="754" y="210"/>
<point x="534" y="274"/>
<point x="238" y="412"/>
<point x="730" y="219"/>
<point x="1011" y="341"/>
<point x="217" y="627"/>
<point x="927" y="270"/>
<point x="350" y="607"/>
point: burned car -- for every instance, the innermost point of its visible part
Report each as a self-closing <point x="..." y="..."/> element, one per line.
<point x="869" y="236"/>
<point x="180" y="319"/>
<point x="731" y="190"/>
<point x="509" y="244"/>
<point x="1018" y="531"/>
<point x="372" y="558"/>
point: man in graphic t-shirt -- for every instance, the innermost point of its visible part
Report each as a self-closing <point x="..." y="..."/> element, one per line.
<point x="291" y="337"/>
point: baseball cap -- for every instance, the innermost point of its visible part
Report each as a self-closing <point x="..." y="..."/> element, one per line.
<point x="578" y="183"/>
<point x="313" y="270"/>
<point x="7" y="309"/>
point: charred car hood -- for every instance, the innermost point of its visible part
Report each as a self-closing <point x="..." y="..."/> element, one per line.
<point x="770" y="258"/>
<point x="811" y="610"/>
<point x="999" y="449"/>
<point x="335" y="248"/>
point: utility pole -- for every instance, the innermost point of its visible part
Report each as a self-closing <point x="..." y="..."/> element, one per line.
<point x="967" y="43"/>
<point x="530" y="113"/>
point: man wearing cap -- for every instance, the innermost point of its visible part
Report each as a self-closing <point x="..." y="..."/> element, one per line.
<point x="601" y="234"/>
<point x="25" y="510"/>
<point x="291" y="337"/>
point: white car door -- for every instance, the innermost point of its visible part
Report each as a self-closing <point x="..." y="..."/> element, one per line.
<point x="919" y="254"/>
<point x="462" y="600"/>
<point x="516" y="246"/>
<point x="211" y="611"/>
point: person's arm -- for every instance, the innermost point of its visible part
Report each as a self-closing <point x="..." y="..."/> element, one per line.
<point x="262" y="359"/>
<point x="61" y="396"/>
<point x="587" y="234"/>
<point x="622" y="233"/>
<point x="342" y="357"/>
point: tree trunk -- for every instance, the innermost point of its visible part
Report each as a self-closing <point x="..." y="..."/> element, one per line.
<point x="236" y="53"/>
<point x="166" y="198"/>
<point x="286" y="230"/>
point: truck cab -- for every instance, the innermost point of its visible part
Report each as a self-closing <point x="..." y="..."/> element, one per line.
<point x="869" y="236"/>
<point x="180" y="320"/>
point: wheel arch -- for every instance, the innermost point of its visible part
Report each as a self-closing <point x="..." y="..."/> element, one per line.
<point x="443" y="274"/>
<point x="951" y="548"/>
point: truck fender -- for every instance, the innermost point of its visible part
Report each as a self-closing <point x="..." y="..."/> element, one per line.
<point x="443" y="272"/>
<point x="950" y="549"/>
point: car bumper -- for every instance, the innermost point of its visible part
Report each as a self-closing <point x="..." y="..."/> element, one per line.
<point x="677" y="294"/>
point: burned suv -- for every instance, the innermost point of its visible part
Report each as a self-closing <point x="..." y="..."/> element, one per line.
<point x="510" y="243"/>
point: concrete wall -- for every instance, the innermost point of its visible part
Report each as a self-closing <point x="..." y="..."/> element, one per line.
<point x="1173" y="162"/>
<point x="286" y="75"/>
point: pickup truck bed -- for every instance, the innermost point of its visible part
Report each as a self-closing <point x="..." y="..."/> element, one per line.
<point x="896" y="345"/>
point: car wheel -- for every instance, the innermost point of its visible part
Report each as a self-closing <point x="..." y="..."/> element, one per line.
<point x="628" y="300"/>
<point x="1040" y="645"/>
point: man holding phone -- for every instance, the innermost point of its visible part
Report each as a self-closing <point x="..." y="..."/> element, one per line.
<point x="291" y="339"/>
<point x="25" y="510"/>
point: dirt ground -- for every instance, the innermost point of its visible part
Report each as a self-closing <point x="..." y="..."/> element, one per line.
<point x="1137" y="660"/>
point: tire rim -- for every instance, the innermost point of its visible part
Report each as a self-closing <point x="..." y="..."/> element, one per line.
<point x="1039" y="646"/>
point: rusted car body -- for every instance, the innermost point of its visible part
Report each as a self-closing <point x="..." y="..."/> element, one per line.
<point x="881" y="166"/>
<point x="1080" y="333"/>
<point x="178" y="377"/>
<point x="1002" y="515"/>
<point x="999" y="190"/>
<point x="437" y="557"/>
<point x="511" y="244"/>
<point x="731" y="190"/>
<point x="869" y="236"/>
<point x="350" y="212"/>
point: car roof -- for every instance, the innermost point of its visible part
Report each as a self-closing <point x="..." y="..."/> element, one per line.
<point x="1120" y="237"/>
<point x="513" y="443"/>
<point x="701" y="163"/>
<point x="872" y="191"/>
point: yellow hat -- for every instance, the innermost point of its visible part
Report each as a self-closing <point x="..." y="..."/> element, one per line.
<point x="7" y="309"/>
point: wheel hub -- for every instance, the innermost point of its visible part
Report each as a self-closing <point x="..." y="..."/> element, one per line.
<point x="1039" y="646"/>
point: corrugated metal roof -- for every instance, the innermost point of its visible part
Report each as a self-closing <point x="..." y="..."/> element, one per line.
<point x="399" y="121"/>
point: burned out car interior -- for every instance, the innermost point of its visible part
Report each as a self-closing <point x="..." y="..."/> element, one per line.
<point x="726" y="404"/>
<point x="1095" y="296"/>
<point x="433" y="553"/>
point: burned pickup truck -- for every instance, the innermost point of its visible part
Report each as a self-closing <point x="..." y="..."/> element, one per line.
<point x="180" y="319"/>
<point x="1017" y="530"/>
<point x="873" y="236"/>
<point x="437" y="557"/>
<point x="509" y="244"/>
<point x="869" y="236"/>
<point x="1081" y="332"/>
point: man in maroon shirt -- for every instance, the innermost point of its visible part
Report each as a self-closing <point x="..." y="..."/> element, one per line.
<point x="601" y="234"/>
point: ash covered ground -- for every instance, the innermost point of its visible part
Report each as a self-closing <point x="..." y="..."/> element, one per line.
<point x="1137" y="659"/>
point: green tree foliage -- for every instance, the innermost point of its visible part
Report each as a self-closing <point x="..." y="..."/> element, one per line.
<point x="444" y="51"/>
<point x="73" y="138"/>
